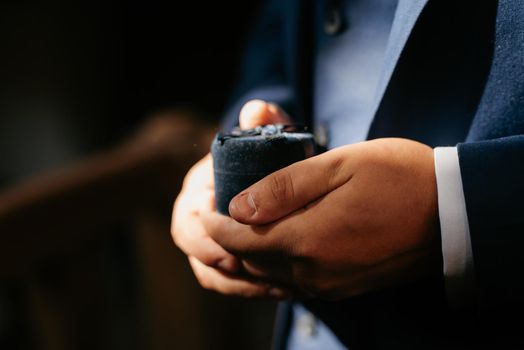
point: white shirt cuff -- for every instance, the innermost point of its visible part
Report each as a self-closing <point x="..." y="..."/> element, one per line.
<point x="459" y="274"/>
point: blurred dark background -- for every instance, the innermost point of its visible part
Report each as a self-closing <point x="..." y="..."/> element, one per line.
<point x="76" y="76"/>
<point x="99" y="101"/>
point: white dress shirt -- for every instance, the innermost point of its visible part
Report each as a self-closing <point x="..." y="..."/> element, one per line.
<point x="454" y="228"/>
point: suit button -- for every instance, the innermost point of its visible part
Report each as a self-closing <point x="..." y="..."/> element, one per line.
<point x="334" y="22"/>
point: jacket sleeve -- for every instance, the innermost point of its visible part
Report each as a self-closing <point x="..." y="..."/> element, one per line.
<point x="493" y="182"/>
<point x="264" y="70"/>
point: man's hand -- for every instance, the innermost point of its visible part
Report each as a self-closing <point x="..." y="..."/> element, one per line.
<point x="354" y="219"/>
<point x="213" y="266"/>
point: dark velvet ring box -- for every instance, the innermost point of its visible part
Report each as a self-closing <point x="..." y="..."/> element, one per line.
<point x="243" y="157"/>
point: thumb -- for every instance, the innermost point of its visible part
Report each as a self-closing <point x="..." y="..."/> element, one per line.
<point x="292" y="187"/>
<point x="258" y="112"/>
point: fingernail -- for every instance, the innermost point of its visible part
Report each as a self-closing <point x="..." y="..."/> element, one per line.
<point x="279" y="293"/>
<point x="243" y="205"/>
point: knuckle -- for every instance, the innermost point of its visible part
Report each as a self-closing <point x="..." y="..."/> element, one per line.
<point x="281" y="186"/>
<point x="190" y="175"/>
<point x="204" y="283"/>
<point x="201" y="279"/>
<point x="175" y="233"/>
<point x="335" y="172"/>
<point x="176" y="238"/>
<point x="177" y="217"/>
<point x="208" y="259"/>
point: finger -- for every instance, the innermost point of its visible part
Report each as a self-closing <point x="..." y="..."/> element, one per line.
<point x="213" y="279"/>
<point x="257" y="112"/>
<point x="296" y="235"/>
<point x="275" y="273"/>
<point x="191" y="237"/>
<point x="291" y="188"/>
<point x="245" y="241"/>
<point x="201" y="175"/>
<point x="194" y="241"/>
<point x="274" y="270"/>
<point x="196" y="201"/>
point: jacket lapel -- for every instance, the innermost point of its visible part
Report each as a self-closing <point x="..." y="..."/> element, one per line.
<point x="406" y="15"/>
<point x="437" y="62"/>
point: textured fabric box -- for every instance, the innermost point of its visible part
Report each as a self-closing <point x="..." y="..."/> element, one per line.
<point x="243" y="157"/>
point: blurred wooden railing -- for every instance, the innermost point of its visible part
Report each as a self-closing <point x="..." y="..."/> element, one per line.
<point x="54" y="226"/>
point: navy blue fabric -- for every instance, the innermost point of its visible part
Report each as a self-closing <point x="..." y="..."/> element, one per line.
<point x="276" y="67"/>
<point x="493" y="171"/>
<point x="455" y="76"/>
<point x="493" y="175"/>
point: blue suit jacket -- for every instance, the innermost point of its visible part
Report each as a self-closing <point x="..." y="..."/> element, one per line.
<point x="454" y="75"/>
